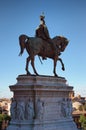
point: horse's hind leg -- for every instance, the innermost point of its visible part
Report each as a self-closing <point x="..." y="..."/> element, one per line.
<point x="27" y="63"/>
<point x="32" y="63"/>
<point x="54" y="70"/>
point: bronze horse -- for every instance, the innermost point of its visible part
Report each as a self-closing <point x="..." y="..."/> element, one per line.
<point x="35" y="46"/>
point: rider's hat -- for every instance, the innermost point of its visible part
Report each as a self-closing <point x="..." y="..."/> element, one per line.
<point x="42" y="16"/>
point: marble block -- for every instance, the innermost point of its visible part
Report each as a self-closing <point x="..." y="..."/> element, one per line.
<point x="41" y="103"/>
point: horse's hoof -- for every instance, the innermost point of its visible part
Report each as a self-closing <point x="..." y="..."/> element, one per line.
<point x="37" y="74"/>
<point x="28" y="73"/>
<point x="63" y="68"/>
<point x="56" y="75"/>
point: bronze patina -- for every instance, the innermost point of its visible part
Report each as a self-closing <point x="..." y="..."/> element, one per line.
<point x="43" y="46"/>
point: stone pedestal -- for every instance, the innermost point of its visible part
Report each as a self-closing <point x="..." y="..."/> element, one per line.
<point x="41" y="103"/>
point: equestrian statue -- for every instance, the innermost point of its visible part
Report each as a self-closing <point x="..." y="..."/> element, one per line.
<point x="43" y="46"/>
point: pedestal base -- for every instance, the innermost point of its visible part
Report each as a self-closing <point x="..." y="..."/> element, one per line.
<point x="41" y="103"/>
<point x="54" y="125"/>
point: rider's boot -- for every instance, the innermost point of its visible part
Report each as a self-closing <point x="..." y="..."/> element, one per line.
<point x="44" y="57"/>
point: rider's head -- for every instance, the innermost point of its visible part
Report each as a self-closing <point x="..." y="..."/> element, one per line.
<point x="42" y="16"/>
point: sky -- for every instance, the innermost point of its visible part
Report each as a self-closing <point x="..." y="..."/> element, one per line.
<point x="63" y="18"/>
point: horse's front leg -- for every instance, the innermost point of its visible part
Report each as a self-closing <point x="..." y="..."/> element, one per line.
<point x="32" y="63"/>
<point x="54" y="70"/>
<point x="63" y="68"/>
<point x="27" y="63"/>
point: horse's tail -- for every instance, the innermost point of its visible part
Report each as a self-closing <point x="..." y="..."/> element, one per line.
<point x="22" y="40"/>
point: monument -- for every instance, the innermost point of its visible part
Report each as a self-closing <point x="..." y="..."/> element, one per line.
<point x="41" y="102"/>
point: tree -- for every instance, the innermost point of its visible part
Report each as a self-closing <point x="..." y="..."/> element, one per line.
<point x="4" y="117"/>
<point x="1" y="117"/>
<point x="82" y="120"/>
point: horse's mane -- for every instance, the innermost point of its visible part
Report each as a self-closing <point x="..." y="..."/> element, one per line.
<point x="57" y="37"/>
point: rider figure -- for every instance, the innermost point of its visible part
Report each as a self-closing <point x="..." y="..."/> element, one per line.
<point x="43" y="33"/>
<point x="42" y="30"/>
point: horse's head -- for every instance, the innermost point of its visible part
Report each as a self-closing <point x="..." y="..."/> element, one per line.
<point x="61" y="42"/>
<point x="64" y="43"/>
